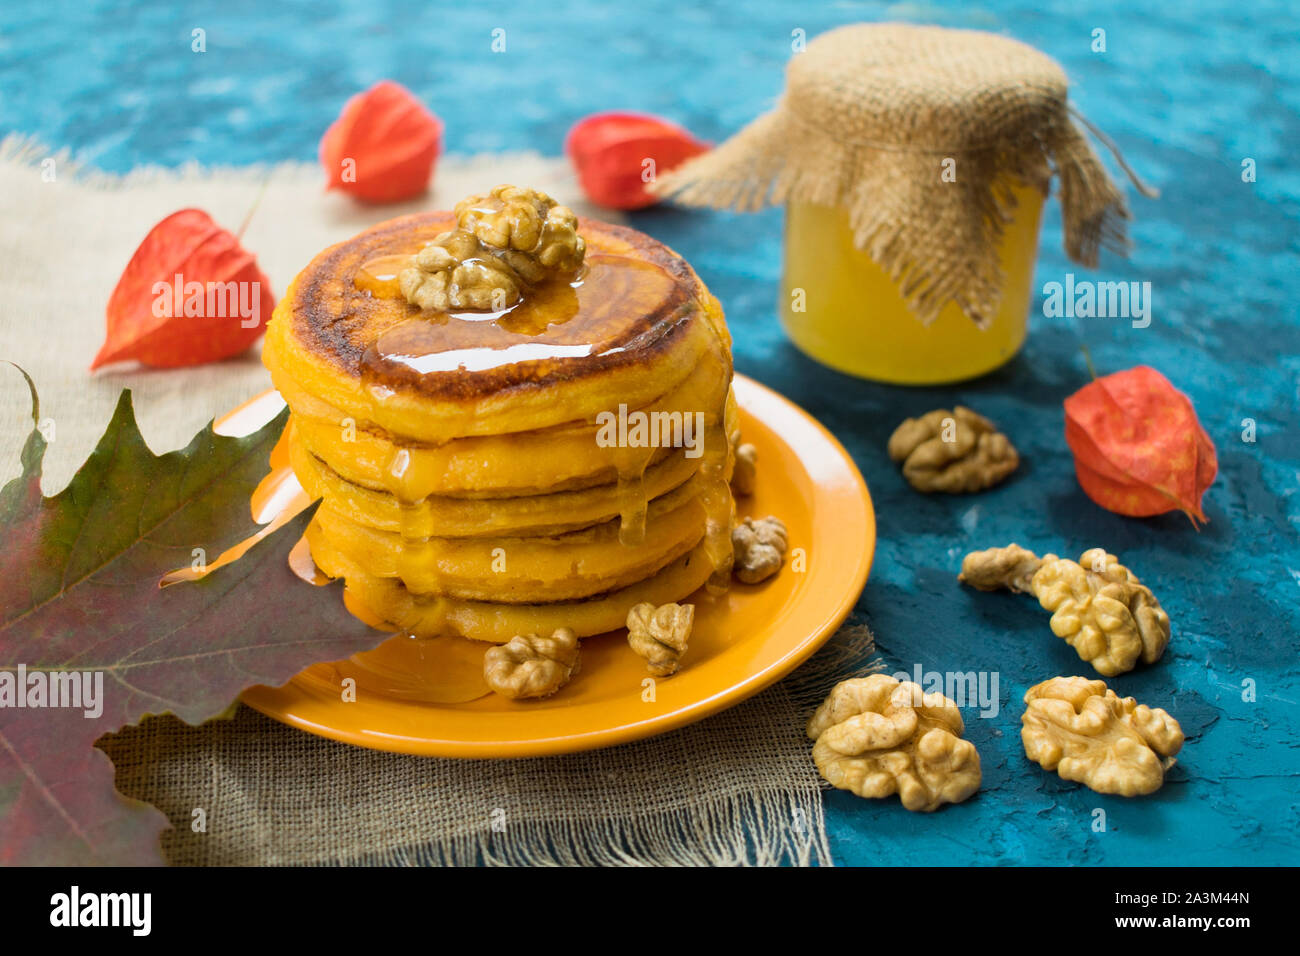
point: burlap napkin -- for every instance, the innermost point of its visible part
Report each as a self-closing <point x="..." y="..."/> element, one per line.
<point x="738" y="788"/>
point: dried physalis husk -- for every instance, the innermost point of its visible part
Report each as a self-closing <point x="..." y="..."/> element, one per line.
<point x="617" y="154"/>
<point x="955" y="452"/>
<point x="1139" y="448"/>
<point x="175" y="328"/>
<point x="383" y="146"/>
<point x="532" y="666"/>
<point x="1089" y="734"/>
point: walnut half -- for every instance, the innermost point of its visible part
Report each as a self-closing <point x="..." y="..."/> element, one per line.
<point x="1103" y="611"/>
<point x="876" y="736"/>
<point x="504" y="242"/>
<point x="759" y="547"/>
<point x="532" y="666"/>
<point x="660" y="634"/>
<point x="744" y="477"/>
<point x="1098" y="606"/>
<point x="527" y="229"/>
<point x="955" y="452"/>
<point x="456" y="272"/>
<point x="1012" y="568"/>
<point x="1089" y="734"/>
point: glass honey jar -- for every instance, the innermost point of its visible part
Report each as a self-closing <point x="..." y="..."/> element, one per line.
<point x="841" y="308"/>
<point x="913" y="163"/>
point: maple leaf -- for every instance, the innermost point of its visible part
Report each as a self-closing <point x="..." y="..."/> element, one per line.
<point x="80" y="576"/>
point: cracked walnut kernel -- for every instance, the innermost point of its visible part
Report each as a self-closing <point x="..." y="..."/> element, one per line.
<point x="1089" y="734"/>
<point x="1012" y="568"/>
<point x="955" y="452"/>
<point x="760" y="548"/>
<point x="532" y="666"/>
<point x="537" y="237"/>
<point x="660" y="634"/>
<point x="1103" y="611"/>
<point x="876" y="736"/>
<point x="505" y="242"/>
<point x="745" y="474"/>
<point x="455" y="272"/>
<point x="1099" y="607"/>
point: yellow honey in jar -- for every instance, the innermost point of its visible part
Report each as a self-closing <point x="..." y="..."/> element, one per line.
<point x="842" y="309"/>
<point x="923" y="154"/>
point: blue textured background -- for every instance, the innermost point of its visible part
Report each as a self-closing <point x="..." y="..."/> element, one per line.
<point x="1188" y="89"/>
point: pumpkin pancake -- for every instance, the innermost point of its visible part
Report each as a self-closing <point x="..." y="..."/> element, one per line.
<point x="632" y="327"/>
<point x="522" y="463"/>
<point x="424" y="616"/>
<point x="549" y="458"/>
<point x="511" y="570"/>
<point x="522" y="516"/>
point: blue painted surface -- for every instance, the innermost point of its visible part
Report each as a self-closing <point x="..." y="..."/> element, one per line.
<point x="1188" y="90"/>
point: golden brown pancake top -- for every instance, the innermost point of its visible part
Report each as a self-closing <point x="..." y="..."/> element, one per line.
<point x="634" y="301"/>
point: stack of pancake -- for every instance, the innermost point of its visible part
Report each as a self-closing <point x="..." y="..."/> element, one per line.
<point x="490" y="474"/>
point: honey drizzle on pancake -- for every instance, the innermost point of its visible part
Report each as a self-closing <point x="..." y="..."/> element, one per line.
<point x="719" y="505"/>
<point x="417" y="554"/>
<point x="631" y="497"/>
<point x="378" y="276"/>
<point x="555" y="322"/>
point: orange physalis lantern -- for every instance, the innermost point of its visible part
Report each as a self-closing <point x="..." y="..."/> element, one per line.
<point x="618" y="154"/>
<point x="383" y="146"/>
<point x="1138" y="446"/>
<point x="190" y="294"/>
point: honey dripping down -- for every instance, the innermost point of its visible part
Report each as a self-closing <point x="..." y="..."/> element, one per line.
<point x="417" y="558"/>
<point x="630" y="497"/>
<point x="715" y="472"/>
<point x="719" y="506"/>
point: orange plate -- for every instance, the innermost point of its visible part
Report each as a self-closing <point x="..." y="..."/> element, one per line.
<point x="743" y="641"/>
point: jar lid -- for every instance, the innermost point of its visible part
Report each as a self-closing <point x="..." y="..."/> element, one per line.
<point x="919" y="132"/>
<point x="931" y="88"/>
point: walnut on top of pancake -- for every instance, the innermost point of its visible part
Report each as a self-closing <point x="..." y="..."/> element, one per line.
<point x="504" y="243"/>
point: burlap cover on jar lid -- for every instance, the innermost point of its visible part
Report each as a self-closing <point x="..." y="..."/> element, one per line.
<point x="869" y="114"/>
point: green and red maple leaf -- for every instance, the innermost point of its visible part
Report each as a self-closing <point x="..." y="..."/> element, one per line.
<point x="80" y="591"/>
